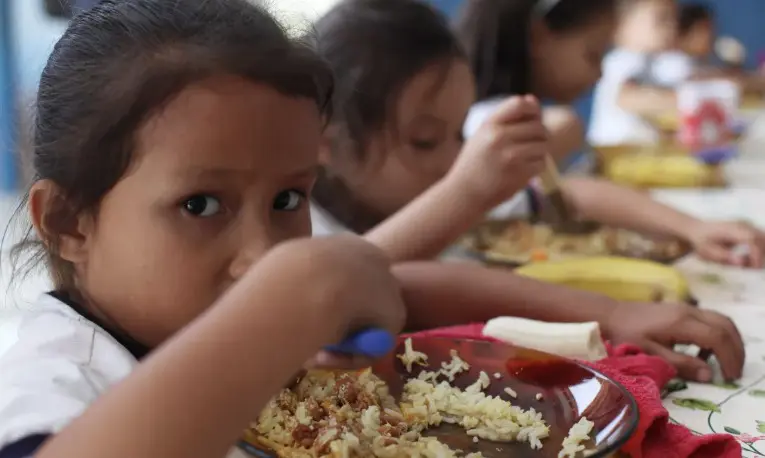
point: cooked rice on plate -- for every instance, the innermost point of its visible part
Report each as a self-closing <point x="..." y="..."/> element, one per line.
<point x="352" y="414"/>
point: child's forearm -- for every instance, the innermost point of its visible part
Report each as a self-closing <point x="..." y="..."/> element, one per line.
<point x="194" y="396"/>
<point x="646" y="101"/>
<point x="429" y="224"/>
<point x="444" y="294"/>
<point x="614" y="205"/>
<point x="748" y="82"/>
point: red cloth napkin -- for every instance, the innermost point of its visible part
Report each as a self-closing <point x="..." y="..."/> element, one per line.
<point x="642" y="375"/>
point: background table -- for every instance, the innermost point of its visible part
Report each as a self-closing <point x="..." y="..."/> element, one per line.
<point x="736" y="409"/>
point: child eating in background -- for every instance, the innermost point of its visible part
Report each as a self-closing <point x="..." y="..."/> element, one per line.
<point x="413" y="128"/>
<point x="693" y="47"/>
<point x="511" y="44"/>
<point x="696" y="31"/>
<point x="551" y="49"/>
<point x="631" y="89"/>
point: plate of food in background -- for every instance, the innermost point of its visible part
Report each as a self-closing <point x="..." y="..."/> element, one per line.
<point x="441" y="397"/>
<point x="518" y="242"/>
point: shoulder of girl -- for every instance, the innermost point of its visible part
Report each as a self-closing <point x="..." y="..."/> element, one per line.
<point x="58" y="365"/>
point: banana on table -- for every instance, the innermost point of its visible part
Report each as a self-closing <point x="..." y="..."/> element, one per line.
<point x="649" y="171"/>
<point x="624" y="279"/>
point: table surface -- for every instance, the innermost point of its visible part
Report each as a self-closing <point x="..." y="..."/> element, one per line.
<point x="736" y="409"/>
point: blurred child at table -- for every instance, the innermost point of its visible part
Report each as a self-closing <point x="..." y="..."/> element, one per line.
<point x="631" y="90"/>
<point x="397" y="133"/>
<point x="391" y="173"/>
<point x="694" y="48"/>
<point x="694" y="45"/>
<point x="551" y="49"/>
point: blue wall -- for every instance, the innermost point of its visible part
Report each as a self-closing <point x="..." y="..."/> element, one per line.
<point x="7" y="104"/>
<point x="742" y="19"/>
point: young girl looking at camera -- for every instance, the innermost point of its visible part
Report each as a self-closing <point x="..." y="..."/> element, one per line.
<point x="167" y="170"/>
<point x="396" y="132"/>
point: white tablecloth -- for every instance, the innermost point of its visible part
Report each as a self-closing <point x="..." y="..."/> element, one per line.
<point x="736" y="409"/>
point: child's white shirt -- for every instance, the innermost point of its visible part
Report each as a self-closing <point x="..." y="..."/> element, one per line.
<point x="324" y="224"/>
<point x="672" y="68"/>
<point x="610" y="124"/>
<point x="59" y="365"/>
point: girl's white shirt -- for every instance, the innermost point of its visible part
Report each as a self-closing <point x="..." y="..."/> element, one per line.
<point x="610" y="124"/>
<point x="324" y="224"/>
<point x="58" y="366"/>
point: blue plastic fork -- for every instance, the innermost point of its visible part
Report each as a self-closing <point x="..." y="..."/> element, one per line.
<point x="372" y="343"/>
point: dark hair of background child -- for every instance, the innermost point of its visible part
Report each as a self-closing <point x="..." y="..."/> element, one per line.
<point x="691" y="14"/>
<point x="121" y="62"/>
<point x="496" y="33"/>
<point x="374" y="48"/>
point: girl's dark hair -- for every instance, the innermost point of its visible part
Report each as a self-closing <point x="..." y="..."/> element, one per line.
<point x="122" y="61"/>
<point x="495" y="35"/>
<point x="374" y="48"/>
<point x="691" y="14"/>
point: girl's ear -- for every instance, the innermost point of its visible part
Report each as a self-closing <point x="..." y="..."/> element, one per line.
<point x="56" y="224"/>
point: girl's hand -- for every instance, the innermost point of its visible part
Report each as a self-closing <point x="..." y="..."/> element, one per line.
<point x="737" y="244"/>
<point x="353" y="281"/>
<point x="657" y="328"/>
<point x="507" y="151"/>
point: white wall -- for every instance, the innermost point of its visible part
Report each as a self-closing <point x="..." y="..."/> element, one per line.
<point x="35" y="34"/>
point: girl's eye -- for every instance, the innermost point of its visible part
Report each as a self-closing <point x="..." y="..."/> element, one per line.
<point x="202" y="206"/>
<point x="288" y="200"/>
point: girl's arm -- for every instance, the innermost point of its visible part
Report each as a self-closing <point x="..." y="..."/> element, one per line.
<point x="614" y="205"/>
<point x="446" y="294"/>
<point x="646" y="100"/>
<point x="194" y="396"/>
<point x="430" y="223"/>
<point x="565" y="129"/>
<point x="456" y="293"/>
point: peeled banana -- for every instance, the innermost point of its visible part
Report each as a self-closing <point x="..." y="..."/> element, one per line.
<point x="673" y="171"/>
<point x="570" y="340"/>
<point x="623" y="279"/>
